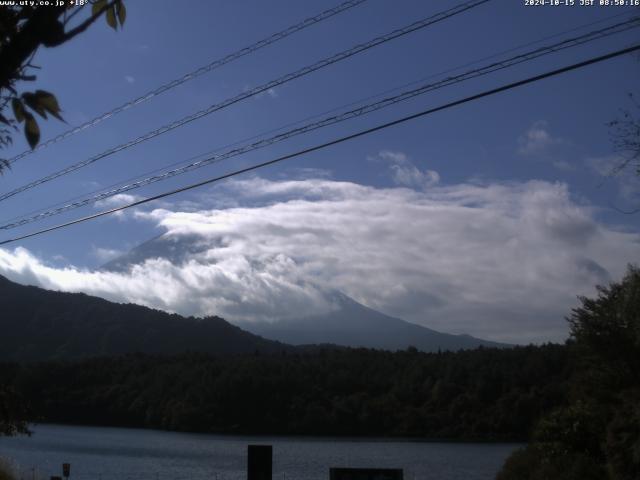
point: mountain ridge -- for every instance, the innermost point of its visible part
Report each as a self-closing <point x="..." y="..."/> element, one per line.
<point x="350" y="324"/>
<point x="39" y="324"/>
<point x="356" y="325"/>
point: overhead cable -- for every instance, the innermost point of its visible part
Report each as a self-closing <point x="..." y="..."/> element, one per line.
<point x="254" y="91"/>
<point x="331" y="120"/>
<point x="195" y="74"/>
<point x="337" y="141"/>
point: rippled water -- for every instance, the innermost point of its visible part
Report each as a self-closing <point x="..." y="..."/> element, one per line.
<point x="97" y="453"/>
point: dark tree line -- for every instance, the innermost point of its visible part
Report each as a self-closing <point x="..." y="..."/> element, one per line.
<point x="484" y="394"/>
<point x="578" y="404"/>
<point x="14" y="414"/>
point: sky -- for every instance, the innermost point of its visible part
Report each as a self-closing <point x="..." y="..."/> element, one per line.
<point x="489" y="218"/>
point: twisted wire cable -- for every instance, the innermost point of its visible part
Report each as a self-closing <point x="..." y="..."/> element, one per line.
<point x="331" y="120"/>
<point x="196" y="73"/>
<point x="337" y="141"/>
<point x="438" y="17"/>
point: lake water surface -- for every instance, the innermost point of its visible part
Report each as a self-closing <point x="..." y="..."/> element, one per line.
<point x="98" y="453"/>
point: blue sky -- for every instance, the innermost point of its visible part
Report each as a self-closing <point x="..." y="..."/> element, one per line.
<point x="549" y="138"/>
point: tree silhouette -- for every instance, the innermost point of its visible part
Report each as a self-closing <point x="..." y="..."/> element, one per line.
<point x="13" y="413"/>
<point x="23" y="30"/>
<point x="625" y="136"/>
<point x="597" y="435"/>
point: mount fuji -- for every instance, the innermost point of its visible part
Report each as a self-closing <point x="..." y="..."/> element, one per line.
<point x="349" y="323"/>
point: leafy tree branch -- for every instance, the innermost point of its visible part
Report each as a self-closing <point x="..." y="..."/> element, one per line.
<point x="23" y="30"/>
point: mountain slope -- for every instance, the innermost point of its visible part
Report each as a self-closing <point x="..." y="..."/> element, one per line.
<point x="350" y="324"/>
<point x="38" y="324"/>
<point x="353" y="324"/>
<point x="175" y="248"/>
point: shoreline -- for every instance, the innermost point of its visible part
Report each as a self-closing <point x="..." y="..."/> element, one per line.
<point x="296" y="437"/>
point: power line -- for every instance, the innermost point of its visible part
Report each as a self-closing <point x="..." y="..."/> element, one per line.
<point x="591" y="36"/>
<point x="252" y="92"/>
<point x="318" y="115"/>
<point x="337" y="141"/>
<point x="196" y="73"/>
<point x="360" y="111"/>
<point x="336" y="109"/>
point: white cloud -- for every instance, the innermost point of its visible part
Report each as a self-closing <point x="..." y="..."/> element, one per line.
<point x="405" y="173"/>
<point x="500" y="261"/>
<point x="537" y="140"/>
<point x="130" y="79"/>
<point x="116" y="201"/>
<point x="235" y="287"/>
<point x="106" y="254"/>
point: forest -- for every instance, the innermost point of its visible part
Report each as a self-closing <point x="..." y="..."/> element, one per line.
<point x="577" y="405"/>
<point x="486" y="394"/>
<point x="595" y="435"/>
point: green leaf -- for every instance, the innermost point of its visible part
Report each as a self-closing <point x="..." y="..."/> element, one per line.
<point x="32" y="102"/>
<point x="4" y="120"/>
<point x="32" y="131"/>
<point x="97" y="6"/>
<point x="18" y="109"/>
<point x="111" y="18"/>
<point x="49" y="102"/>
<point x="122" y="12"/>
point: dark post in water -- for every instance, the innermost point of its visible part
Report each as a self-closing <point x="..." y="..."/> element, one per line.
<point x="259" y="462"/>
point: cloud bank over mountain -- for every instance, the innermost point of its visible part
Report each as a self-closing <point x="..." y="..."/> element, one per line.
<point x="499" y="261"/>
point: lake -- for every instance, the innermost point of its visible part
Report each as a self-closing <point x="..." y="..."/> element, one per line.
<point x="98" y="453"/>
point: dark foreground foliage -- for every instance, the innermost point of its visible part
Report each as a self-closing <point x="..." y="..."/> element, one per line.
<point x="597" y="434"/>
<point x="484" y="394"/>
<point x="14" y="414"/>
